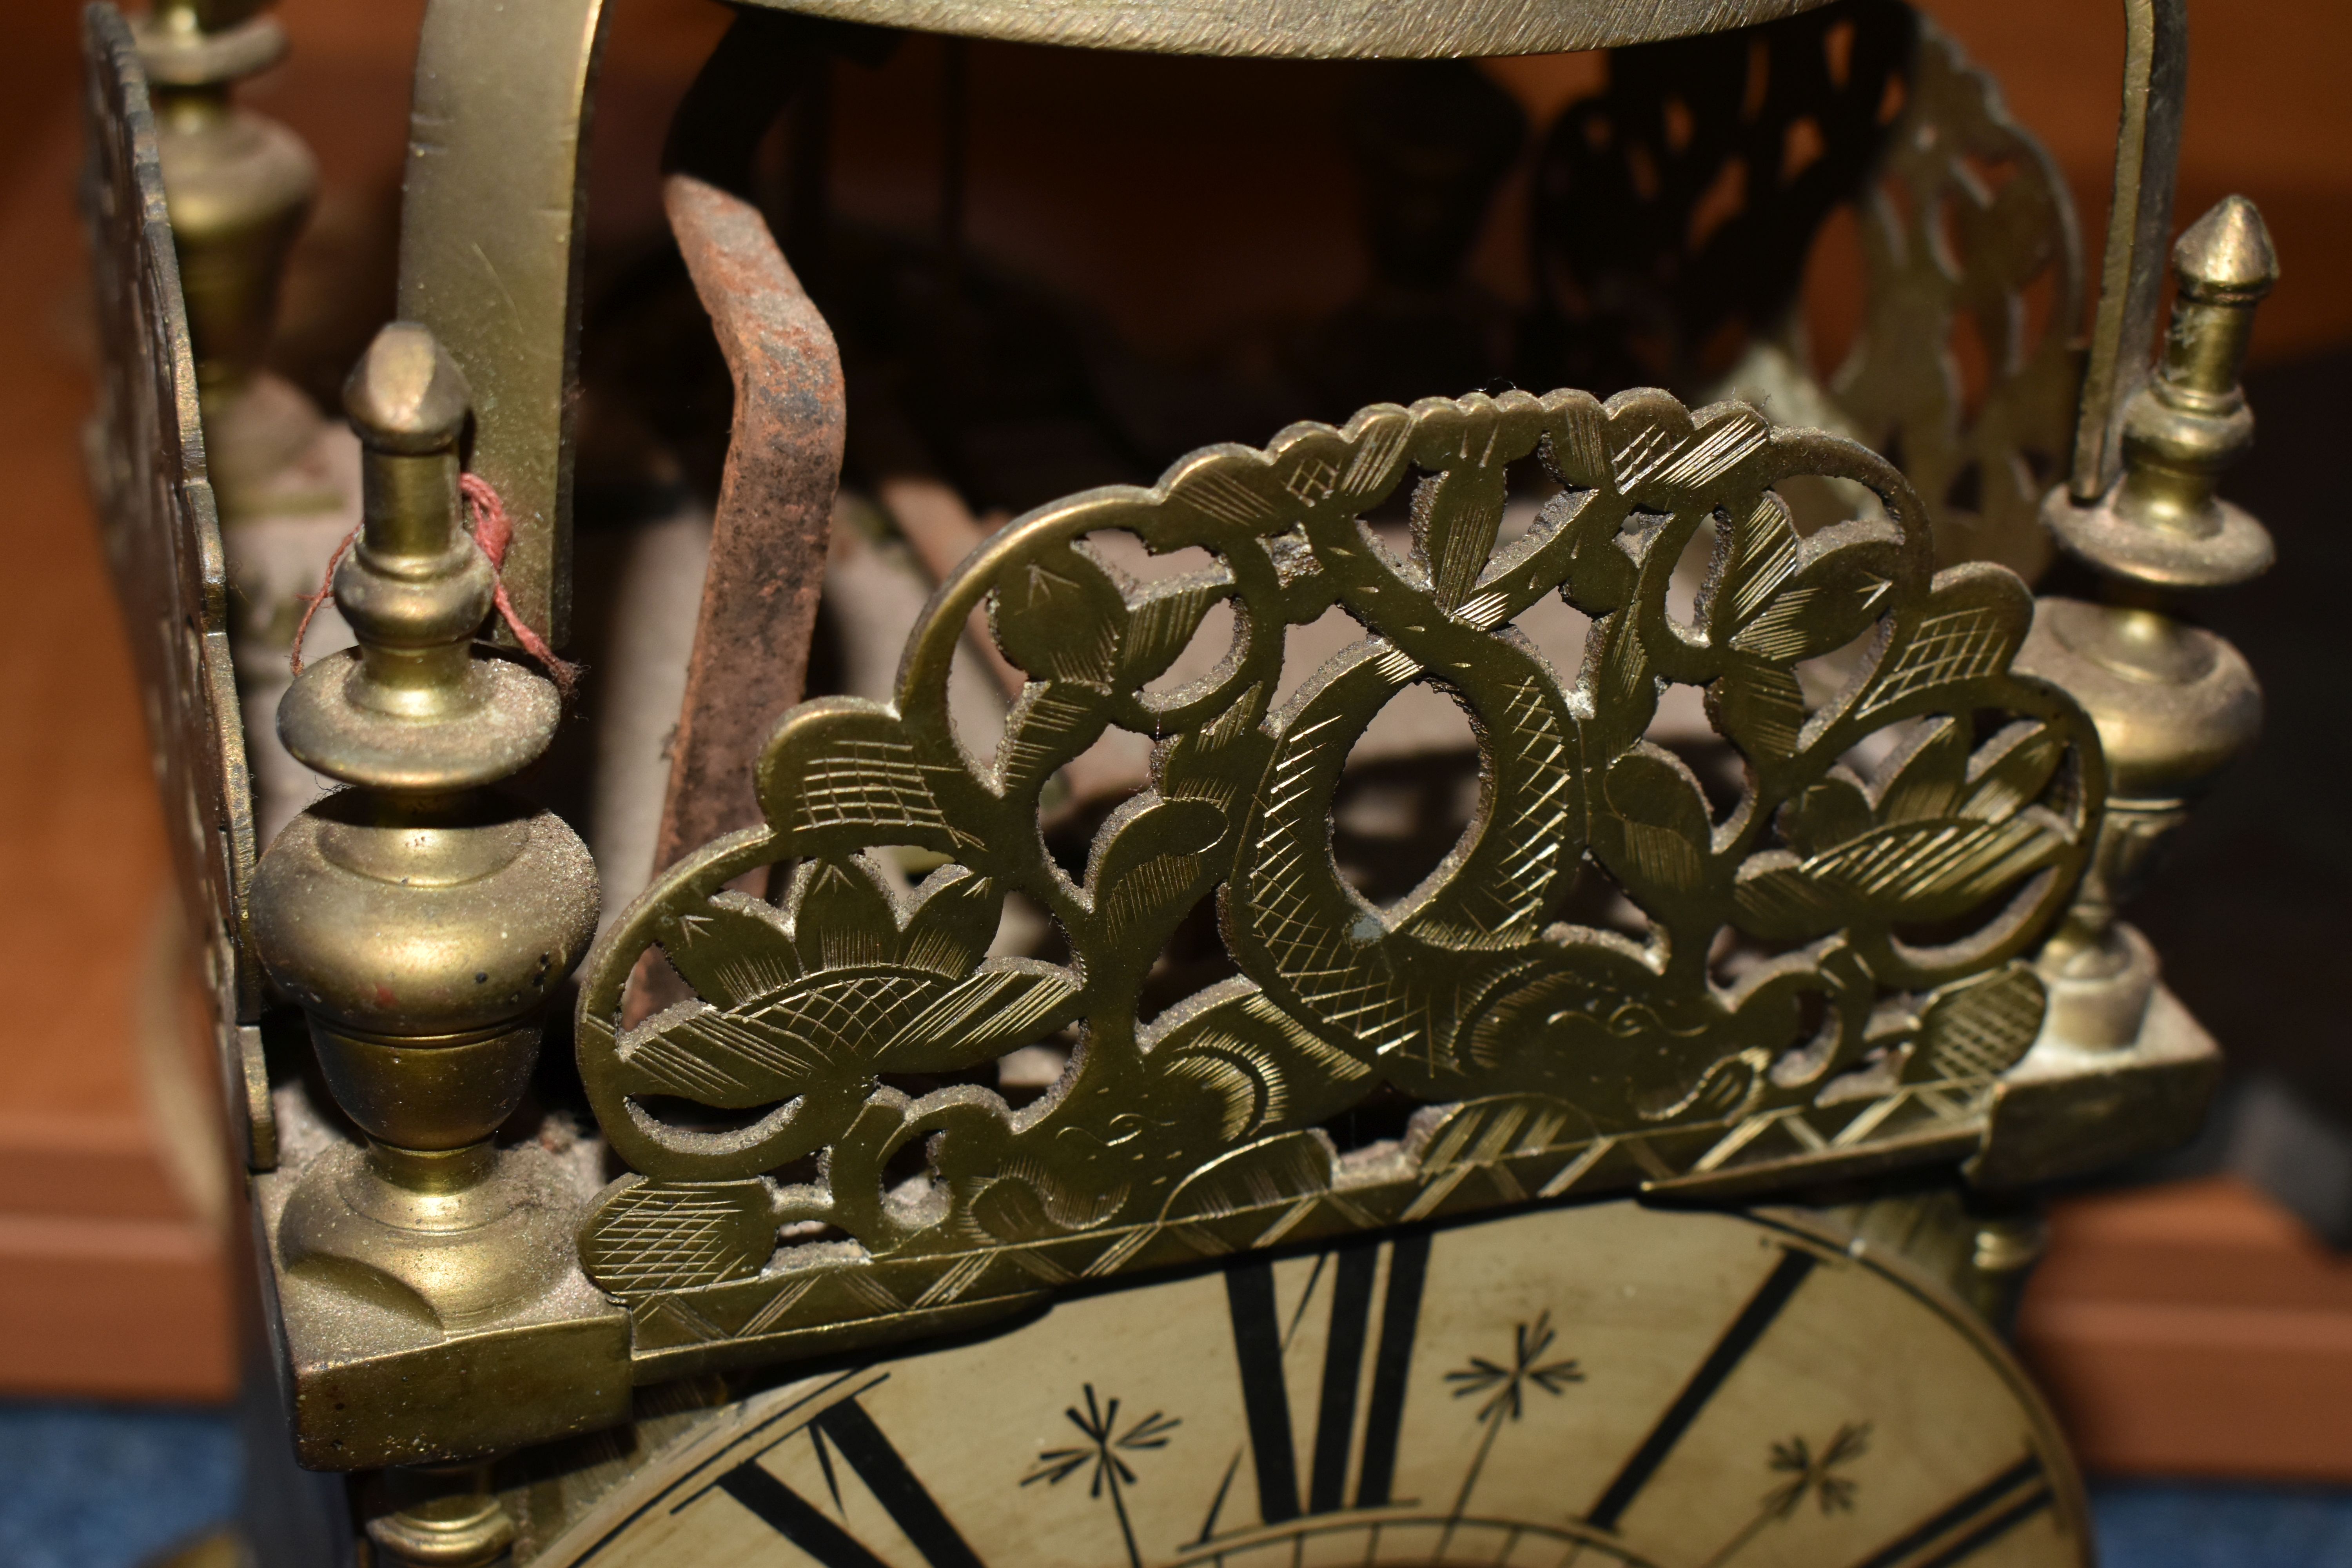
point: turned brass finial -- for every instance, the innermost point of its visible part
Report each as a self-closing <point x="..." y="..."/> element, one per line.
<point x="420" y="918"/>
<point x="2190" y="422"/>
<point x="239" y="185"/>
<point x="415" y="707"/>
<point x="2173" y="702"/>
<point x="239" y="188"/>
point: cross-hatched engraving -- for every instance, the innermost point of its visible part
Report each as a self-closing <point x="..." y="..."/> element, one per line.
<point x="835" y="1077"/>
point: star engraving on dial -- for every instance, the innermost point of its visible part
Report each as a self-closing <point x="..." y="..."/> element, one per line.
<point x="1811" y="1474"/>
<point x="1506" y="1387"/>
<point x="1100" y="1453"/>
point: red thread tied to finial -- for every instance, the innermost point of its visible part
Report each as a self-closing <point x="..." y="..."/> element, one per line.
<point x="493" y="534"/>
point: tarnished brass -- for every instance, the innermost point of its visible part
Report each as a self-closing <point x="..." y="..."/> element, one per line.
<point x="1552" y="1058"/>
<point x="1300" y="29"/>
<point x="2174" y="703"/>
<point x="2140" y="218"/>
<point x="441" y="1517"/>
<point x="492" y="218"/>
<point x="1676" y="213"/>
<point x="490" y="255"/>
<point x="145" y="452"/>
<point x="421" y="920"/>
<point x="1805" y="952"/>
<point x="239" y="186"/>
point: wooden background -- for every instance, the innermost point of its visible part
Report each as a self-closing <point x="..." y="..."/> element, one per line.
<point x="2191" y="1329"/>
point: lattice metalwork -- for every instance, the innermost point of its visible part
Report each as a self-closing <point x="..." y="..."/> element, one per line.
<point x="1826" y="975"/>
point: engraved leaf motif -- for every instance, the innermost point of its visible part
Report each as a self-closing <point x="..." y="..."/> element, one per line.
<point x="1758" y="707"/>
<point x="1663" y="833"/>
<point x="647" y="1236"/>
<point x="1981" y="1027"/>
<point x="1058" y="616"/>
<point x="1541" y="1052"/>
<point x="730" y="949"/>
<point x="1164" y="621"/>
<point x="1846" y="582"/>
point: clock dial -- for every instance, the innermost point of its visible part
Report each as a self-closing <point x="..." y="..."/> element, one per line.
<point x="1596" y="1386"/>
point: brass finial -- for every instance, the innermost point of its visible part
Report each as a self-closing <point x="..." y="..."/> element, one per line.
<point x="2174" y="703"/>
<point x="239" y="188"/>
<point x="413" y="708"/>
<point x="420" y="918"/>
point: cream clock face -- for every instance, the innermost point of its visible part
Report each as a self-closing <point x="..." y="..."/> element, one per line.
<point x="1597" y="1386"/>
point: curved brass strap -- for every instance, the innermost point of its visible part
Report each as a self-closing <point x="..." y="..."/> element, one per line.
<point x="2140" y="235"/>
<point x="489" y="253"/>
<point x="1312" y="29"/>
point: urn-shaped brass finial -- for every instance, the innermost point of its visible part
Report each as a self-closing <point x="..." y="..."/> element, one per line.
<point x="2173" y="702"/>
<point x="239" y="185"/>
<point x="420" y="918"/>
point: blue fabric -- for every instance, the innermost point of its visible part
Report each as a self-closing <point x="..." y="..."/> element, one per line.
<point x="86" y="1486"/>
<point x="2208" y="1524"/>
<point x="96" y="1487"/>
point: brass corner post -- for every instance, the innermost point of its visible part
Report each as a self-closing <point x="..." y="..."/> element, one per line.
<point x="239" y="186"/>
<point x="442" y="1516"/>
<point x="2174" y="703"/>
<point x="421" y="919"/>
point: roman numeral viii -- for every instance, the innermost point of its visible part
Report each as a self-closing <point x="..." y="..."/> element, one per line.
<point x="1259" y="1339"/>
<point x="854" y="1434"/>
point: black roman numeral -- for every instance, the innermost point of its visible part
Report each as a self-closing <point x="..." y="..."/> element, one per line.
<point x="1972" y="1523"/>
<point x="1258" y="1338"/>
<point x="885" y="1475"/>
<point x="1729" y="1350"/>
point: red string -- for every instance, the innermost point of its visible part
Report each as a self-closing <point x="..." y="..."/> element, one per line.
<point x="326" y="588"/>
<point x="493" y="533"/>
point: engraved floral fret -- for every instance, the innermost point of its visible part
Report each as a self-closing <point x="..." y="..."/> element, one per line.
<point x="812" y="1115"/>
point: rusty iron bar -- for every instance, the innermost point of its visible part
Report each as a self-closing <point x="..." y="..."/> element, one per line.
<point x="775" y="508"/>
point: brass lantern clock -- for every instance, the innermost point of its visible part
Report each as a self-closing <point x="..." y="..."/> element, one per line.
<point x="1072" y="1136"/>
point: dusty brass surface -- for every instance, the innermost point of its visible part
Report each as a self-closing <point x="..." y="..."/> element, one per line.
<point x="146" y="459"/>
<point x="2174" y="703"/>
<point x="489" y="259"/>
<point x="429" y="1304"/>
<point x="1550" y="1058"/>
<point x="1299" y="29"/>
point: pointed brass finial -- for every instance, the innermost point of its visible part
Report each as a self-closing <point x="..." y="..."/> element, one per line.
<point x="2189" y="423"/>
<point x="412" y="707"/>
<point x="2174" y="703"/>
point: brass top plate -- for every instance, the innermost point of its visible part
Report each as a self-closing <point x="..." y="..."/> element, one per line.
<point x="1313" y="29"/>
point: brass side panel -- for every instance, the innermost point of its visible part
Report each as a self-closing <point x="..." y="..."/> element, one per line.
<point x="490" y="255"/>
<point x="145" y="452"/>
